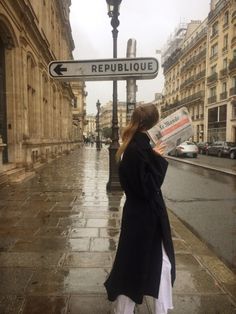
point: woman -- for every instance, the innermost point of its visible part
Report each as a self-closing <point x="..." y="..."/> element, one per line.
<point x="144" y="262"/>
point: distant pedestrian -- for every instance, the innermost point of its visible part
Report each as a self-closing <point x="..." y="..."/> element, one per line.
<point x="145" y="261"/>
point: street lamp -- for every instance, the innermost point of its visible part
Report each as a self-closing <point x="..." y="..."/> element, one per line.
<point x="113" y="183"/>
<point x="98" y="142"/>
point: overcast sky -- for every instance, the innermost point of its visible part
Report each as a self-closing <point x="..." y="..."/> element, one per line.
<point x="150" y="22"/>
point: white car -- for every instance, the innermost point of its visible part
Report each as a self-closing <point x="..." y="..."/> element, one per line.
<point x="185" y="149"/>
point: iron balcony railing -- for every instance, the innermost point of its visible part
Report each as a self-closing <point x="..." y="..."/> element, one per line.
<point x="223" y="72"/>
<point x="212" y="78"/>
<point x="232" y="91"/>
<point x="223" y="95"/>
<point x="200" y="75"/>
<point x="212" y="99"/>
<point x="232" y="64"/>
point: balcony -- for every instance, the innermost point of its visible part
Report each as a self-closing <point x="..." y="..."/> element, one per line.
<point x="212" y="99"/>
<point x="199" y="96"/>
<point x="223" y="96"/>
<point x="168" y="107"/>
<point x="198" y="37"/>
<point x="201" y="55"/>
<point x="219" y="7"/>
<point x="223" y="73"/>
<point x="215" y="34"/>
<point x="188" y="82"/>
<point x="212" y="78"/>
<point x="224" y="49"/>
<point x="233" y="42"/>
<point x="232" y="65"/>
<point x="200" y="75"/>
<point x="232" y="91"/>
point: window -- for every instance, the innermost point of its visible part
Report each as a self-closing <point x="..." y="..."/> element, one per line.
<point x="225" y="42"/>
<point x="213" y="91"/>
<point x="213" y="69"/>
<point x="225" y="63"/>
<point x="226" y="18"/>
<point x="224" y="87"/>
<point x="215" y="28"/>
<point x="234" y="81"/>
<point x="214" y="50"/>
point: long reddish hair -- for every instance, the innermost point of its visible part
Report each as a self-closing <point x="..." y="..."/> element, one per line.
<point x="143" y="118"/>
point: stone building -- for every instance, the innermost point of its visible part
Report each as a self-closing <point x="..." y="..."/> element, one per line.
<point x="185" y="74"/>
<point x="106" y="116"/>
<point x="200" y="73"/>
<point x="220" y="98"/>
<point x="90" y="127"/>
<point x="36" y="112"/>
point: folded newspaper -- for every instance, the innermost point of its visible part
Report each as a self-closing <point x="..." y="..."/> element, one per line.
<point x="172" y="130"/>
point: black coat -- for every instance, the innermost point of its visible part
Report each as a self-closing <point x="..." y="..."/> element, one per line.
<point x="145" y="225"/>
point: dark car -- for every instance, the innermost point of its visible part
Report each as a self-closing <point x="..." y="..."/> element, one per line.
<point x="221" y="149"/>
<point x="202" y="147"/>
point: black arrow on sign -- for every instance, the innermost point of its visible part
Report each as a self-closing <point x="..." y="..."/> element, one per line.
<point x="59" y="70"/>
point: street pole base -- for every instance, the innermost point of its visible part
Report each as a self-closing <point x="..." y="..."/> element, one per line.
<point x="113" y="186"/>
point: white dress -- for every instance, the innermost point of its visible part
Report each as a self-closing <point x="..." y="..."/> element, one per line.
<point x="124" y="305"/>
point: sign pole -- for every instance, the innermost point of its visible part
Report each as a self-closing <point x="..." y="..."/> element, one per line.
<point x="113" y="181"/>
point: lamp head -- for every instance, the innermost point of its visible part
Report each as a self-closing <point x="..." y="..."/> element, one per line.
<point x="113" y="6"/>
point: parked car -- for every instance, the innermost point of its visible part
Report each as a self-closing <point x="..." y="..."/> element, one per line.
<point x="185" y="149"/>
<point x="222" y="148"/>
<point x="202" y="147"/>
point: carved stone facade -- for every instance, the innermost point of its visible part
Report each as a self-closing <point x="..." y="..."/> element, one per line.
<point x="200" y="73"/>
<point x="36" y="112"/>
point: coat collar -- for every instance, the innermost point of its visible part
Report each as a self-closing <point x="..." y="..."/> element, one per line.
<point x="142" y="140"/>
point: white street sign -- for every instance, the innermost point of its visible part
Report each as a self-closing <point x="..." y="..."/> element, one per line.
<point x="104" y="70"/>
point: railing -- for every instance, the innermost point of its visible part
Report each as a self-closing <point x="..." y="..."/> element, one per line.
<point x="223" y="95"/>
<point x="187" y="82"/>
<point x="197" y="96"/>
<point x="212" y="99"/>
<point x="200" y="75"/>
<point x="232" y="64"/>
<point x="212" y="78"/>
<point x="195" y="40"/>
<point x="223" y="72"/>
<point x="201" y="55"/>
<point x="232" y="91"/>
<point x="216" y="33"/>
<point x="219" y="6"/>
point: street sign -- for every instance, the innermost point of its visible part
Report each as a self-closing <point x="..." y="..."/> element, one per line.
<point x="104" y="69"/>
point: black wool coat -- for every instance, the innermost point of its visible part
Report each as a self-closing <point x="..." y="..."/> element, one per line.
<point x="145" y="225"/>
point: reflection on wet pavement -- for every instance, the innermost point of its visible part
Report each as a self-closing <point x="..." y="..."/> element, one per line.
<point x="58" y="237"/>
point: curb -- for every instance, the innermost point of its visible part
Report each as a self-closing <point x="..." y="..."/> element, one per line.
<point x="222" y="170"/>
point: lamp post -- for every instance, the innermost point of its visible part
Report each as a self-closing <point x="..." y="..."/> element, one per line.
<point x="113" y="182"/>
<point x="98" y="142"/>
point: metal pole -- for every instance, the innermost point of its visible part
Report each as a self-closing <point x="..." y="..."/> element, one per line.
<point x="131" y="86"/>
<point x="113" y="182"/>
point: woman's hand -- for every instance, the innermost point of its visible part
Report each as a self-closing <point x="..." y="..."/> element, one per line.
<point x="160" y="148"/>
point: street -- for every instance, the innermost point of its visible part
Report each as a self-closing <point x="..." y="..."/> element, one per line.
<point x="205" y="200"/>
<point x="59" y="233"/>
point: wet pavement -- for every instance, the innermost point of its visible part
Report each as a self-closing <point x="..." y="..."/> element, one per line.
<point x="58" y="236"/>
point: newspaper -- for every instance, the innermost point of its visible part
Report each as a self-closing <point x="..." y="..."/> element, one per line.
<point x="172" y="130"/>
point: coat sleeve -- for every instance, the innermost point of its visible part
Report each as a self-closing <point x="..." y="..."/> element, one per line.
<point x="144" y="172"/>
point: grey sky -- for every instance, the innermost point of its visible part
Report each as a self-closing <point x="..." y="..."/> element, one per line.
<point x="150" y="22"/>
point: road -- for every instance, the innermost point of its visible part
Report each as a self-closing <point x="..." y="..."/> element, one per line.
<point x="206" y="201"/>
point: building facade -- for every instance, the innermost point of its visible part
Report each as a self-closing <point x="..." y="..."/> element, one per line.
<point x="185" y="75"/>
<point x="220" y="100"/>
<point x="36" y="112"/>
<point x="90" y="127"/>
<point x="199" y="63"/>
<point x="106" y="116"/>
